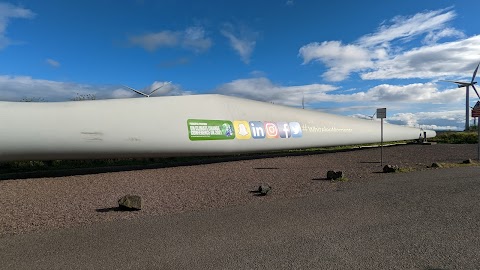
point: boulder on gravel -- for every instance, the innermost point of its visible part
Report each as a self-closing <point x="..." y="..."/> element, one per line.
<point x="334" y="175"/>
<point x="436" y="165"/>
<point x="390" y="168"/>
<point x="130" y="202"/>
<point x="264" y="189"/>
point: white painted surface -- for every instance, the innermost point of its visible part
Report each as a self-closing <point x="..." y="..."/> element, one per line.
<point x="153" y="127"/>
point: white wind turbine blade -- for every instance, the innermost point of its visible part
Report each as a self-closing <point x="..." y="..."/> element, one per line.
<point x="475" y="90"/>
<point x="155" y="90"/>
<point x="475" y="74"/>
<point x="159" y="88"/>
<point x="136" y="91"/>
<point x="461" y="84"/>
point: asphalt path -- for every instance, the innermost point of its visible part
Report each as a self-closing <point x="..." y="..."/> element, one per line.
<point x="418" y="220"/>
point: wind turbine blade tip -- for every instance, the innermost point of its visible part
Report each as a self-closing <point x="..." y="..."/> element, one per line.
<point x="475" y="74"/>
<point x="473" y="86"/>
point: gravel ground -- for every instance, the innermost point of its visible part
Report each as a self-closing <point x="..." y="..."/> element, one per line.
<point x="40" y="204"/>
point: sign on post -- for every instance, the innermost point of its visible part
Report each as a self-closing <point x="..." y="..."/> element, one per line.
<point x="381" y="113"/>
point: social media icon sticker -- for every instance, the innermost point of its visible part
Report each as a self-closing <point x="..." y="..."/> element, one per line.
<point x="295" y="129"/>
<point x="242" y="130"/>
<point x="271" y="130"/>
<point x="284" y="130"/>
<point x="258" y="129"/>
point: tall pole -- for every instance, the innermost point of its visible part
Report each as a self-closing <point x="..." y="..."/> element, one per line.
<point x="381" y="144"/>
<point x="381" y="113"/>
<point x="467" y="108"/>
<point x="478" y="150"/>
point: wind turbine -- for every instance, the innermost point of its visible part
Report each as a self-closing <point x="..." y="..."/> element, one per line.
<point x="467" y="96"/>
<point x="147" y="95"/>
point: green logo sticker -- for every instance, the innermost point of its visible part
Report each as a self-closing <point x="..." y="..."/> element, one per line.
<point x="199" y="130"/>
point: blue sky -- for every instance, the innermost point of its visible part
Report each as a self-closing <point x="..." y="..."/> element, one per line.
<point x="345" y="57"/>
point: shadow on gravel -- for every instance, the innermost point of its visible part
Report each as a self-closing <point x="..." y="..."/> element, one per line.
<point x="168" y="164"/>
<point x="320" y="179"/>
<point x="115" y="209"/>
<point x="258" y="193"/>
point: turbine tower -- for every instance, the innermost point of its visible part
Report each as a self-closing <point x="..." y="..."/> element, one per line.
<point x="467" y="96"/>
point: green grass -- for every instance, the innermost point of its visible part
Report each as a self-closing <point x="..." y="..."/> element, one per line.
<point x="342" y="179"/>
<point x="405" y="170"/>
<point x="452" y="137"/>
<point x="456" y="165"/>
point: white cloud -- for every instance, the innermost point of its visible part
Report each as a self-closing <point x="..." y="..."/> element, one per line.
<point x="411" y="93"/>
<point x="263" y="89"/>
<point x="418" y="93"/>
<point x="122" y="93"/>
<point x="192" y="38"/>
<point x="168" y="89"/>
<point x="456" y="58"/>
<point x="341" y="59"/>
<point x="8" y="12"/>
<point x="16" y="88"/>
<point x="406" y="28"/>
<point x="153" y="41"/>
<point x="52" y="63"/>
<point x="243" y="41"/>
<point x="374" y="55"/>
<point x="435" y="36"/>
<point x="439" y="120"/>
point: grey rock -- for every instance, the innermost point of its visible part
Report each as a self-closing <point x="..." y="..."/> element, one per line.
<point x="436" y="165"/>
<point x="334" y="175"/>
<point x="130" y="202"/>
<point x="264" y="189"/>
<point x="390" y="168"/>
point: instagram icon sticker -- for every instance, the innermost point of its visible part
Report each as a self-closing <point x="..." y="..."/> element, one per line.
<point x="271" y="130"/>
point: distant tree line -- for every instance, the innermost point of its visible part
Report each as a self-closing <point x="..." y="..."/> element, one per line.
<point x="78" y="97"/>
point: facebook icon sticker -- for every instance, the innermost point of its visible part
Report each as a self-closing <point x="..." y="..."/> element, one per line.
<point x="295" y="129"/>
<point x="284" y="130"/>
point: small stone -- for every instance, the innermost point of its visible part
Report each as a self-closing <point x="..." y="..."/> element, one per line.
<point x="130" y="202"/>
<point x="264" y="189"/>
<point x="330" y="175"/>
<point x="390" y="168"/>
<point x="468" y="161"/>
<point x="334" y="175"/>
<point x="436" y="165"/>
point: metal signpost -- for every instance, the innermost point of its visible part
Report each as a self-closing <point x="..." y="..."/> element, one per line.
<point x="381" y="113"/>
<point x="476" y="113"/>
